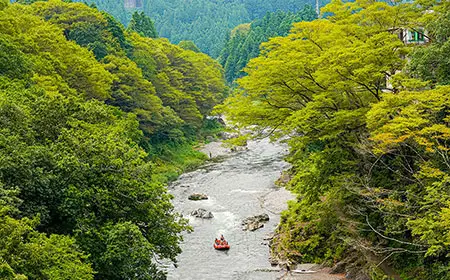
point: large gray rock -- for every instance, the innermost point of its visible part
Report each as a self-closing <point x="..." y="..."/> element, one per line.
<point x="253" y="226"/>
<point x="202" y="213"/>
<point x="255" y="222"/>
<point x="198" y="196"/>
<point x="257" y="218"/>
<point x="284" y="179"/>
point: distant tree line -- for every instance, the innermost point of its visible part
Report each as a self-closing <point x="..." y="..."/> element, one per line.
<point x="205" y="22"/>
<point x="244" y="40"/>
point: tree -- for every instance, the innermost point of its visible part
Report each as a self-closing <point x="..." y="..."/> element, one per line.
<point x="28" y="254"/>
<point x="143" y="25"/>
<point x="189" y="45"/>
<point x="13" y="62"/>
<point x="3" y="4"/>
<point x="410" y="133"/>
<point x="432" y="62"/>
<point x="77" y="165"/>
<point x="190" y="83"/>
<point x="245" y="39"/>
<point x="79" y="104"/>
<point x="204" y="22"/>
<point x="65" y="67"/>
<point x="321" y="86"/>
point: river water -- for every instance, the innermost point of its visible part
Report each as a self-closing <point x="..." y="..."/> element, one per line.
<point x="239" y="186"/>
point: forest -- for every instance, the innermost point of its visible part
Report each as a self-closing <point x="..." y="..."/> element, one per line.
<point x="367" y="111"/>
<point x="99" y="112"/>
<point x="245" y="39"/>
<point x="95" y="119"/>
<point x="205" y="22"/>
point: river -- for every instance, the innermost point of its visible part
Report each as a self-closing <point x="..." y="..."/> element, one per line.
<point x="239" y="186"/>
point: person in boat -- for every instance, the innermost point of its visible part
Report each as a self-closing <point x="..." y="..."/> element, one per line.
<point x="217" y="241"/>
<point x="222" y="238"/>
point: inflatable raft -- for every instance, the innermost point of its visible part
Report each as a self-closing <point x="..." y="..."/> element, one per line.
<point x="221" y="246"/>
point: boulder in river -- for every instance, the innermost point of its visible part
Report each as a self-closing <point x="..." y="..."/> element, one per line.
<point x="253" y="226"/>
<point x="202" y="213"/>
<point x="255" y="222"/>
<point x="198" y="196"/>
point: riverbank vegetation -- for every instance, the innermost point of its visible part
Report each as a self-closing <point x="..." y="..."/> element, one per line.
<point x="368" y="120"/>
<point x="94" y="119"/>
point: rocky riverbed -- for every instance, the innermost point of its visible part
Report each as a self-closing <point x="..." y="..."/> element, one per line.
<point x="239" y="186"/>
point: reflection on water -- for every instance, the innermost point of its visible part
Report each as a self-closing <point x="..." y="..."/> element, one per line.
<point x="237" y="187"/>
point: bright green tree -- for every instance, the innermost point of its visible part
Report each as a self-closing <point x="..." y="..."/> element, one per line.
<point x="81" y="100"/>
<point x="189" y="45"/>
<point x="318" y="85"/>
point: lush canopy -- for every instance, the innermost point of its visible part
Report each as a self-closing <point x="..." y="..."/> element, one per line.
<point x="88" y="113"/>
<point x="370" y="162"/>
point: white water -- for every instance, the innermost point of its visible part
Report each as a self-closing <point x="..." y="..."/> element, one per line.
<point x="240" y="186"/>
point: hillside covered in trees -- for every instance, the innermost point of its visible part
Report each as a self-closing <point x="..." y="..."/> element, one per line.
<point x="245" y="39"/>
<point x="368" y="118"/>
<point x="94" y="119"/>
<point x="205" y="22"/>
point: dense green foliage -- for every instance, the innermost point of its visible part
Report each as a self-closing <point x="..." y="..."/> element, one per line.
<point x="143" y="25"/>
<point x="93" y="120"/>
<point x="189" y="45"/>
<point x="432" y="63"/>
<point x="205" y="22"/>
<point x="370" y="164"/>
<point x="244" y="41"/>
<point x="28" y="253"/>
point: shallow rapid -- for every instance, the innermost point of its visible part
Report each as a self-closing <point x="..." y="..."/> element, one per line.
<point x="239" y="186"/>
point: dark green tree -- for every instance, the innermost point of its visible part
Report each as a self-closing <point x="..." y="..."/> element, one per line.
<point x="143" y="25"/>
<point x="432" y="63"/>
<point x="244" y="41"/>
<point x="205" y="22"/>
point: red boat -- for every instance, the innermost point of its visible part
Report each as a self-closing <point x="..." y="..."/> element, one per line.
<point x="221" y="246"/>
